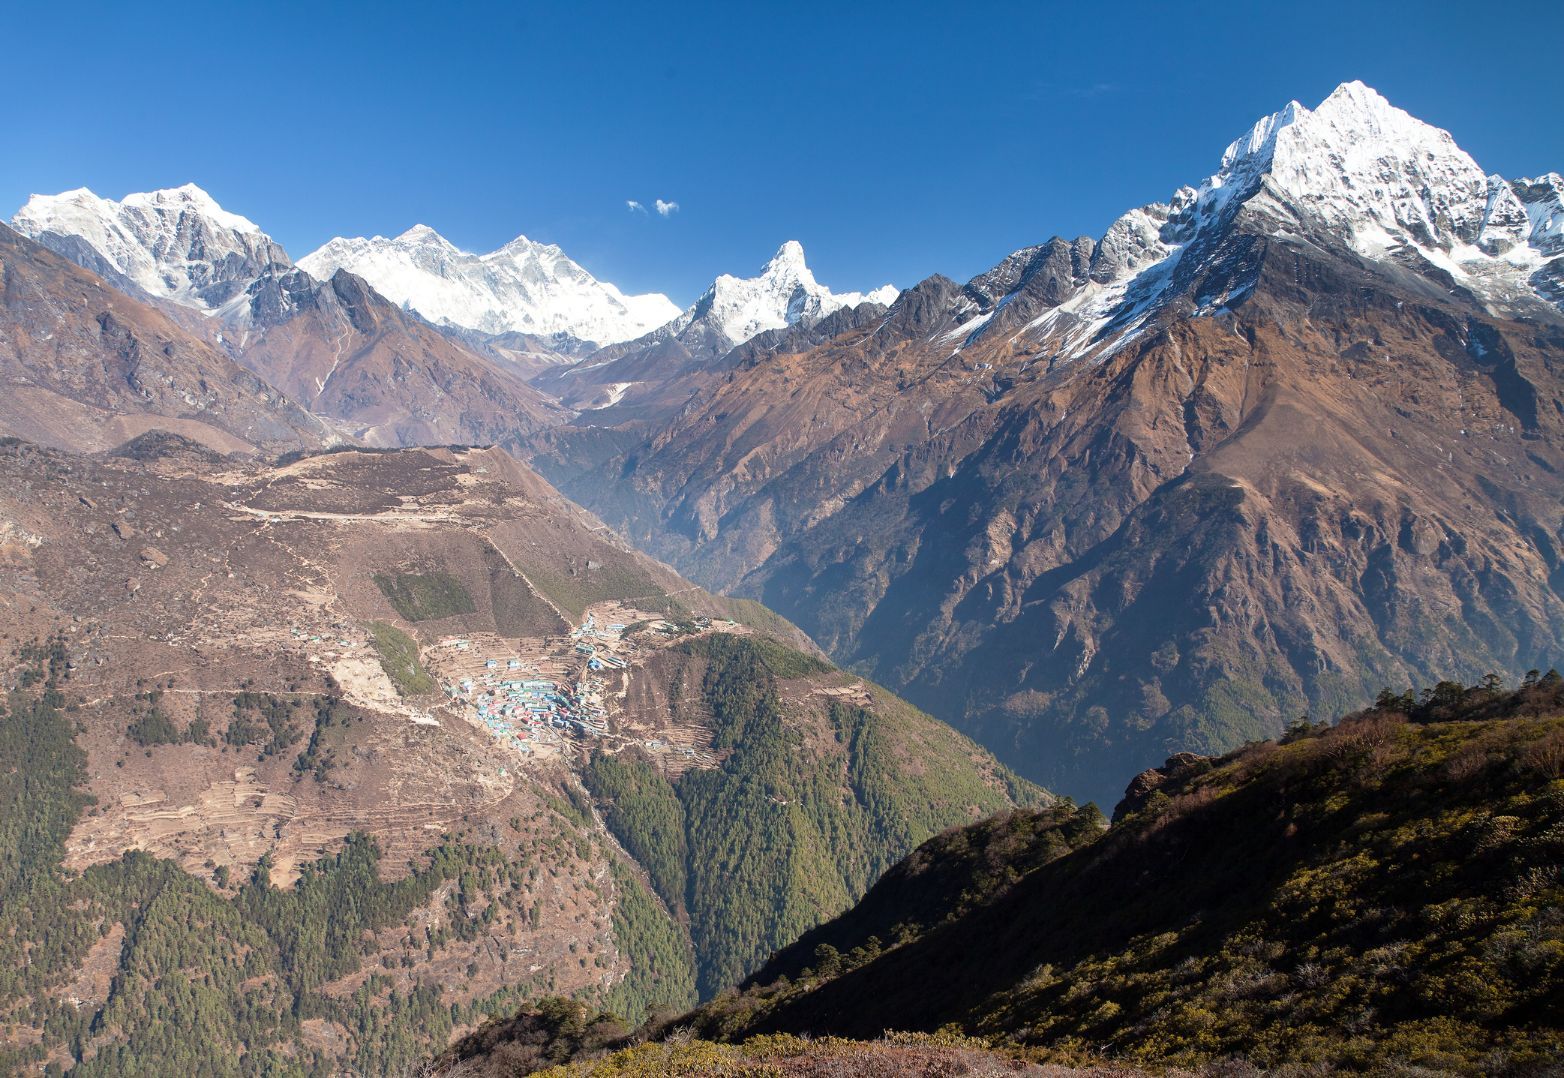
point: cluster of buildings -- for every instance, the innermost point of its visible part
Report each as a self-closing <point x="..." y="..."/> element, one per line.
<point x="552" y="692"/>
<point x="521" y="706"/>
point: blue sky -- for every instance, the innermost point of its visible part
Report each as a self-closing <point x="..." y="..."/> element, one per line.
<point x="893" y="140"/>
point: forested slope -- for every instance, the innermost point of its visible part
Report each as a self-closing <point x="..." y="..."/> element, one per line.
<point x="749" y="852"/>
<point x="1386" y="890"/>
<point x="1382" y="895"/>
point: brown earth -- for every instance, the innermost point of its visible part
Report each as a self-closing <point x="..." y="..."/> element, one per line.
<point x="86" y="367"/>
<point x="212" y="590"/>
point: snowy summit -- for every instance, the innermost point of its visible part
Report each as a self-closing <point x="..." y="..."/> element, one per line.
<point x="176" y="244"/>
<point x="1356" y="171"/>
<point x="523" y="287"/>
<point x="784" y="294"/>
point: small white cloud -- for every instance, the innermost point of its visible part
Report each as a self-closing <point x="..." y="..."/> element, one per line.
<point x="1096" y="89"/>
<point x="666" y="209"/>
<point x="634" y="206"/>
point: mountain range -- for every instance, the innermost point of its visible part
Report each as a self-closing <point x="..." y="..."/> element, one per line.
<point x="523" y="287"/>
<point x="354" y="705"/>
<point x="1305" y="411"/>
<point x="408" y="341"/>
<point x="1288" y="437"/>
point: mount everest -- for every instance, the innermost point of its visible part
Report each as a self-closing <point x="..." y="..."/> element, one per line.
<point x="523" y="287"/>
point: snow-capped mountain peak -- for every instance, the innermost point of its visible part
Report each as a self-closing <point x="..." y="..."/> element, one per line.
<point x="783" y="294"/>
<point x="193" y="199"/>
<point x="1361" y="165"/>
<point x="176" y="244"/>
<point x="789" y="259"/>
<point x="524" y="286"/>
<point x="1356" y="171"/>
<point x="421" y="235"/>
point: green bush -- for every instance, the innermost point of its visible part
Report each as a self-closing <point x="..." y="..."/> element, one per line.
<point x="398" y="654"/>
<point x="425" y="596"/>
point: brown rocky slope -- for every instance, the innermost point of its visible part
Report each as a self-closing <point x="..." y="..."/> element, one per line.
<point x="1274" y="476"/>
<point x="86" y="367"/>
<point x="349" y="354"/>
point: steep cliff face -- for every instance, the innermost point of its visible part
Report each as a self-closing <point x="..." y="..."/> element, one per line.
<point x="1262" y="449"/>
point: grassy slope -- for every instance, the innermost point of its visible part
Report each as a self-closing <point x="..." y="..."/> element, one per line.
<point x="1383" y="892"/>
<point x="398" y="654"/>
<point x="425" y="596"/>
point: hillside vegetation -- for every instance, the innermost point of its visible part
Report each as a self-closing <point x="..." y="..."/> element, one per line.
<point x="753" y="852"/>
<point x="399" y="658"/>
<point x="1385" y="895"/>
<point x="237" y="975"/>
<point x="425" y="596"/>
<point x="219" y="983"/>
<point x="1386" y="889"/>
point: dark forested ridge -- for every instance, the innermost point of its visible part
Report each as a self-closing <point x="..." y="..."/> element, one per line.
<point x="1380" y="894"/>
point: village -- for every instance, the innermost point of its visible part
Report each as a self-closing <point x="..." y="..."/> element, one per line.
<point x="533" y="698"/>
<point x="538" y="698"/>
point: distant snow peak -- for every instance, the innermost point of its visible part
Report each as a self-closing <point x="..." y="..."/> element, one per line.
<point x="176" y="244"/>
<point x="190" y="198"/>
<point x="524" y="286"/>
<point x="791" y="253"/>
<point x="784" y="294"/>
<point x="422" y="234"/>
